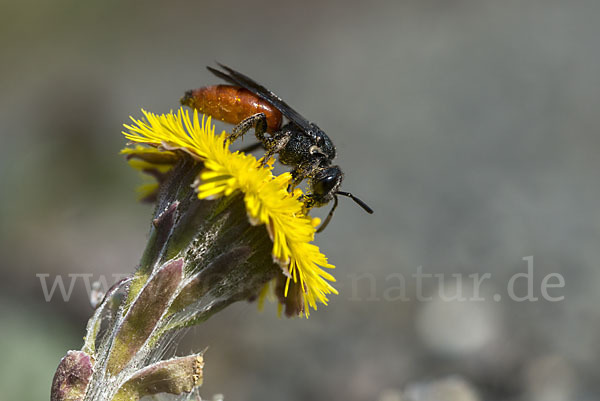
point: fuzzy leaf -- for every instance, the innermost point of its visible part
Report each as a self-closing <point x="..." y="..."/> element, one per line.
<point x="174" y="376"/>
<point x="208" y="278"/>
<point x="72" y="377"/>
<point x="144" y="314"/>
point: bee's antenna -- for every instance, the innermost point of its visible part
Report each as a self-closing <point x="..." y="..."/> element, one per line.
<point x="335" y="203"/>
<point x="358" y="201"/>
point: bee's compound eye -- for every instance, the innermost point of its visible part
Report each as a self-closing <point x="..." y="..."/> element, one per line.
<point x="314" y="149"/>
<point x="324" y="185"/>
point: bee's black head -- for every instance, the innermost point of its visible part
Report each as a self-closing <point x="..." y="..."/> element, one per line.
<point x="325" y="183"/>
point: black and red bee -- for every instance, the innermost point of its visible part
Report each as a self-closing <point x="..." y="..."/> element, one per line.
<point x="299" y="143"/>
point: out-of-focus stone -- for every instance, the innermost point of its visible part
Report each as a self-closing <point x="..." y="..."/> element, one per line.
<point x="449" y="389"/>
<point x="549" y="378"/>
<point x="457" y="327"/>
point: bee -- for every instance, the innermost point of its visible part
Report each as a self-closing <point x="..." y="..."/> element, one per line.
<point x="299" y="143"/>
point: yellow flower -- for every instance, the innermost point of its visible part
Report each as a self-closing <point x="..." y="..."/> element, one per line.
<point x="266" y="197"/>
<point x="150" y="161"/>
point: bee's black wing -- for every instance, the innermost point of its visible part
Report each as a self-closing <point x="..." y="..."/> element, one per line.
<point x="239" y="79"/>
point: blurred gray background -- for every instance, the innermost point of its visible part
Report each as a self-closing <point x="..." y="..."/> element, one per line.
<point x="471" y="127"/>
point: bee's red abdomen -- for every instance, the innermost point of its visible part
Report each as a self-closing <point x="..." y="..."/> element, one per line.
<point x="231" y="104"/>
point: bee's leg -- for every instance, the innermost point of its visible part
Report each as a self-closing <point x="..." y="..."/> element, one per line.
<point x="257" y="121"/>
<point x="300" y="173"/>
<point x="329" y="216"/>
<point x="273" y="145"/>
